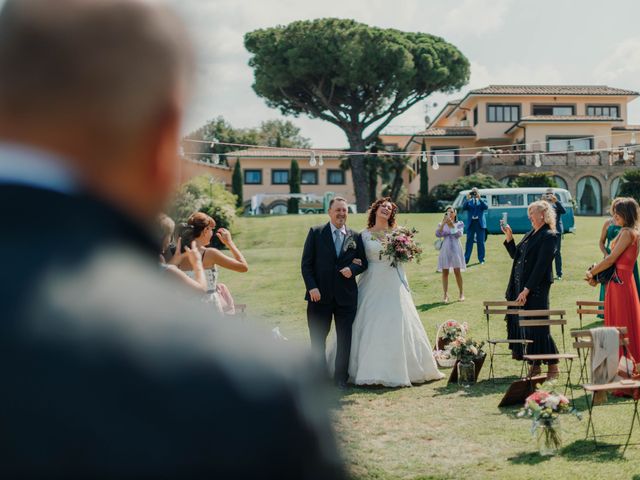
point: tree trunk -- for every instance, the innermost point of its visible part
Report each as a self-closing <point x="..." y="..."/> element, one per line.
<point x="359" y="172"/>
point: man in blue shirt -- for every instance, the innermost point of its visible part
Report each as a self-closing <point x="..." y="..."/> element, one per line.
<point x="475" y="224"/>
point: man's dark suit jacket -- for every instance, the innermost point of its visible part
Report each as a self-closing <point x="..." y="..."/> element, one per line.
<point x="321" y="266"/>
<point x="110" y="370"/>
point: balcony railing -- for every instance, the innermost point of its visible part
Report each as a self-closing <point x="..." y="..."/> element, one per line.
<point x="550" y="159"/>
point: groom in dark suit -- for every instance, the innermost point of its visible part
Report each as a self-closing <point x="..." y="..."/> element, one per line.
<point x="329" y="273"/>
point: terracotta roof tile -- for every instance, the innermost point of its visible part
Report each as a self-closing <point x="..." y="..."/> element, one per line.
<point x="551" y="90"/>
<point x="449" y="132"/>
<point x="284" y="152"/>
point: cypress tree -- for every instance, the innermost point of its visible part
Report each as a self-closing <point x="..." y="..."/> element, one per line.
<point x="236" y="184"/>
<point x="423" y="195"/>
<point x="294" y="187"/>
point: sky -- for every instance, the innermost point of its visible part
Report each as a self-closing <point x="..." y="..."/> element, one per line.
<point x="586" y="42"/>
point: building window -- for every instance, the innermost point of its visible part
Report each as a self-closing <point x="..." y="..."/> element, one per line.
<point x="279" y="177"/>
<point x="603" y="111"/>
<point x="446" y="155"/>
<point x="503" y="113"/>
<point x="562" y="144"/>
<point x="555" y="110"/>
<point x="253" y="177"/>
<point x="335" y="177"/>
<point x="475" y="116"/>
<point x="309" y="177"/>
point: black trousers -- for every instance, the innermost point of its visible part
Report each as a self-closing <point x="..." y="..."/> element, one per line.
<point x="319" y="317"/>
<point x="558" y="255"/>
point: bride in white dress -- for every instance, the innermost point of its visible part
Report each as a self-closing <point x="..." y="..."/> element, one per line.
<point x="389" y="344"/>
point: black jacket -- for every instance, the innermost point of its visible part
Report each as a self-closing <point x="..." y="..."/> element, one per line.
<point x="321" y="267"/>
<point x="536" y="249"/>
<point x="111" y="370"/>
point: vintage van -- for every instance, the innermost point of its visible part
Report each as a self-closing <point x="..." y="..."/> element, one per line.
<point x="512" y="203"/>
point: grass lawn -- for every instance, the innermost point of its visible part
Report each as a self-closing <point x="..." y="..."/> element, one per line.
<point x="435" y="431"/>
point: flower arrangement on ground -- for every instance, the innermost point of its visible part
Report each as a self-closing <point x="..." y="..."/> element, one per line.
<point x="452" y="329"/>
<point x="400" y="246"/>
<point x="466" y="349"/>
<point x="544" y="406"/>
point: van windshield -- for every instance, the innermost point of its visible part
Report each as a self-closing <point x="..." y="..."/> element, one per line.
<point x="507" y="200"/>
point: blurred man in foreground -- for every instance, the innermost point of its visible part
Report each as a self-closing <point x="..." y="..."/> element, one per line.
<point x="106" y="372"/>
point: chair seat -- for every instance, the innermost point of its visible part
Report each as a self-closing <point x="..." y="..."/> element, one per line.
<point x="611" y="386"/>
<point x="506" y="340"/>
<point x="551" y="356"/>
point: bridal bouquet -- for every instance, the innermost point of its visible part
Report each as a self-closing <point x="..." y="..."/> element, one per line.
<point x="544" y="407"/>
<point x="400" y="246"/>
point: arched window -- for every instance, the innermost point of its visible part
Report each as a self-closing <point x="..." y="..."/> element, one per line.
<point x="509" y="180"/>
<point x="560" y="182"/>
<point x="589" y="196"/>
<point x="616" y="183"/>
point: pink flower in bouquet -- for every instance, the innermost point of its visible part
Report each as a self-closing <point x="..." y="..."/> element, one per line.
<point x="538" y="397"/>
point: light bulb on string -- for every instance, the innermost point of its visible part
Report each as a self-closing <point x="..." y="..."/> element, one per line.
<point x="538" y="160"/>
<point x="312" y="159"/>
<point x="215" y="158"/>
<point x="625" y="154"/>
<point x="434" y="162"/>
<point x="320" y="160"/>
<point x="423" y="157"/>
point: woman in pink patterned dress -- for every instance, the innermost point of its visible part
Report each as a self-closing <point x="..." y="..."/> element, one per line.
<point x="451" y="255"/>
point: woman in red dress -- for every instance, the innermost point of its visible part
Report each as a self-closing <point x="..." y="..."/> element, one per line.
<point x="621" y="305"/>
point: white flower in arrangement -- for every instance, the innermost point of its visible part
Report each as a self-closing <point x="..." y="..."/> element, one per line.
<point x="552" y="402"/>
<point x="473" y="350"/>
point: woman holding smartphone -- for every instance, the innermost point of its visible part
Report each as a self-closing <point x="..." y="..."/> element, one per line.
<point x="451" y="254"/>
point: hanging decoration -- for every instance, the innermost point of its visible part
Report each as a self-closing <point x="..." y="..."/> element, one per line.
<point x="625" y="154"/>
<point x="320" y="160"/>
<point x="434" y="162"/>
<point x="424" y="157"/>
<point x="312" y="159"/>
<point x="537" y="160"/>
<point x="215" y="158"/>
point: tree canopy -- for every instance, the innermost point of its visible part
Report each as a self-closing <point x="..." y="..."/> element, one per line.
<point x="352" y="75"/>
<point x="273" y="133"/>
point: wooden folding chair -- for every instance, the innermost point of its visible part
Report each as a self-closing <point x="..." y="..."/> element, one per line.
<point x="583" y="343"/>
<point x="500" y="308"/>
<point x="589" y="307"/>
<point x="548" y="318"/>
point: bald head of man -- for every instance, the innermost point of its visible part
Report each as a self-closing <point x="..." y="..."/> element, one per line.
<point x="101" y="84"/>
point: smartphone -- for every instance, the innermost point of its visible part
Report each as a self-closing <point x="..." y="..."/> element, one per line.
<point x="505" y="216"/>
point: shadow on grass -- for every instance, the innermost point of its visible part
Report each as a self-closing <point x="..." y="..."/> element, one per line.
<point x="585" y="450"/>
<point x="594" y="324"/>
<point x="480" y="389"/>
<point x="428" y="306"/>
<point x="528" y="458"/>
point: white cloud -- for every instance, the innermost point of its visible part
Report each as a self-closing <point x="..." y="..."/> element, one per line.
<point x="477" y="17"/>
<point x="622" y="66"/>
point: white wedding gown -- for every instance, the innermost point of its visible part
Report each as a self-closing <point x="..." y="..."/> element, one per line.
<point x="389" y="345"/>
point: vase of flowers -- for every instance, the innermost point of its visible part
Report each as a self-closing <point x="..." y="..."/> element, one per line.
<point x="549" y="437"/>
<point x="466" y="372"/>
<point x="467" y="351"/>
<point x="544" y="407"/>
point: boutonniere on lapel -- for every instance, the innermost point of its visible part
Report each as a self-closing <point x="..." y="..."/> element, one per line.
<point x="351" y="244"/>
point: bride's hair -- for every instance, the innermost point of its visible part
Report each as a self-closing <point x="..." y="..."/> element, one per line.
<point x="374" y="208"/>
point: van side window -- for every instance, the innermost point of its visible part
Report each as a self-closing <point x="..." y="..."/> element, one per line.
<point x="507" y="200"/>
<point x="533" y="197"/>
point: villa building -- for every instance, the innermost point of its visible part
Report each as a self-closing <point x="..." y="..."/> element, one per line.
<point x="532" y="128"/>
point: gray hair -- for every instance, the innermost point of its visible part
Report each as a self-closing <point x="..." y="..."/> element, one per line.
<point x="102" y="64"/>
<point x="548" y="212"/>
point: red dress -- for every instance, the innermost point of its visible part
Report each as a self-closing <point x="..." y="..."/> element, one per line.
<point x="621" y="305"/>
